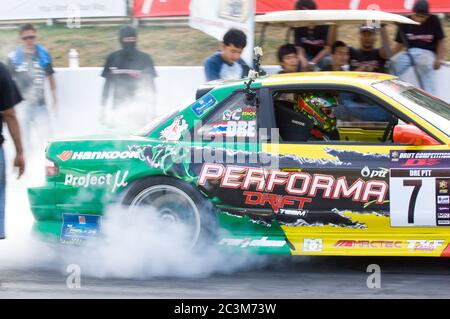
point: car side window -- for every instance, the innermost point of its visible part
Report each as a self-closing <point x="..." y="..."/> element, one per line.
<point x="355" y="108"/>
<point x="236" y="117"/>
<point x="319" y="115"/>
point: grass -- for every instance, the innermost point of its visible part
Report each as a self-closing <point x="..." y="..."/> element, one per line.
<point x="167" y="45"/>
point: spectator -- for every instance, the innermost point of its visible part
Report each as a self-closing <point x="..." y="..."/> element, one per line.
<point x="368" y="58"/>
<point x="425" y="45"/>
<point x="227" y="63"/>
<point x="288" y="58"/>
<point x="127" y="72"/>
<point x="339" y="57"/>
<point x="9" y="97"/>
<point x="313" y="41"/>
<point x="30" y="64"/>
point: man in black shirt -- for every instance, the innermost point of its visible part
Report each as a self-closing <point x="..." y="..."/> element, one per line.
<point x="339" y="57"/>
<point x="313" y="42"/>
<point x="425" y="45"/>
<point x="368" y="58"/>
<point x="288" y="58"/>
<point x="128" y="73"/>
<point x="9" y="97"/>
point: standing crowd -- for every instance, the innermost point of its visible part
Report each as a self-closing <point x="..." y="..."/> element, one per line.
<point x="315" y="48"/>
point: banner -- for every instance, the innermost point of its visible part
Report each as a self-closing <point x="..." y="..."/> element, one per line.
<point x="160" y="8"/>
<point x="216" y="17"/>
<point x="169" y="8"/>
<point x="53" y="9"/>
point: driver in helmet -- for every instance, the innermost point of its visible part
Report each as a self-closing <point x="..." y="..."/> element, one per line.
<point x="318" y="107"/>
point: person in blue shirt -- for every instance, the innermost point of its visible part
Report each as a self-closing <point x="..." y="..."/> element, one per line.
<point x="227" y="64"/>
<point x="31" y="65"/>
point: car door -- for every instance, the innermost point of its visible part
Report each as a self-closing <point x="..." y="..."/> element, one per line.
<point x="334" y="197"/>
<point x="230" y="153"/>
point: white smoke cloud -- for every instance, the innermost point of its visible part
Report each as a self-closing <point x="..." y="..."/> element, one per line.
<point x="128" y="248"/>
<point x="133" y="247"/>
<point x="143" y="246"/>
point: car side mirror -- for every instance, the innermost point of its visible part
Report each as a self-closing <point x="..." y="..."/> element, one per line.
<point x="412" y="135"/>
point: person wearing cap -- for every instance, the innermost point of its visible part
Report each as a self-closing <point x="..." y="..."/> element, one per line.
<point x="368" y="58"/>
<point x="313" y="42"/>
<point x="127" y="72"/>
<point x="425" y="45"/>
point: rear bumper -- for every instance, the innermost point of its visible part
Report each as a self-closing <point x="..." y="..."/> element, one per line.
<point x="42" y="201"/>
<point x="49" y="212"/>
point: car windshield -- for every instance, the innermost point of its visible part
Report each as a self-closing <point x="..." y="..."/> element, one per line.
<point x="430" y="108"/>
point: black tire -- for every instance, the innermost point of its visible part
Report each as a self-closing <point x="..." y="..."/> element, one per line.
<point x="169" y="191"/>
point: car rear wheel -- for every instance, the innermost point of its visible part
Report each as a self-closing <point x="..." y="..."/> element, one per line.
<point x="176" y="203"/>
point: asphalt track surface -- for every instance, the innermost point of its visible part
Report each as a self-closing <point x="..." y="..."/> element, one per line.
<point x="296" y="277"/>
<point x="282" y="277"/>
<point x="287" y="277"/>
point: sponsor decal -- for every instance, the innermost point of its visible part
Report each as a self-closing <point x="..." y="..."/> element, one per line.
<point x="312" y="245"/>
<point x="395" y="156"/>
<point x="233" y="129"/>
<point x="291" y="212"/>
<point x="443" y="199"/>
<point x="416" y="176"/>
<point x="275" y="201"/>
<point x="82" y="220"/>
<point x="424" y="245"/>
<point x="419" y="158"/>
<point x="175" y="130"/>
<point x="442" y="202"/>
<point x="234" y="115"/>
<point x="381" y="172"/>
<point x="114" y="181"/>
<point x="443" y="215"/>
<point x="78" y="228"/>
<point x="218" y="129"/>
<point x="204" y="104"/>
<point x="249" y="113"/>
<point x="442" y="186"/>
<point x="300" y="186"/>
<point x="368" y="244"/>
<point x="110" y="155"/>
<point x="65" y="156"/>
<point x="249" y="242"/>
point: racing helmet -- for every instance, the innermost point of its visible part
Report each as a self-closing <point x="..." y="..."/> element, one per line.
<point x="318" y="108"/>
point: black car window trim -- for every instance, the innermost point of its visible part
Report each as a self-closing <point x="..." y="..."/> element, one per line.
<point x="346" y="88"/>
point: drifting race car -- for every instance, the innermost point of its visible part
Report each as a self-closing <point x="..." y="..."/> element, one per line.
<point x="326" y="163"/>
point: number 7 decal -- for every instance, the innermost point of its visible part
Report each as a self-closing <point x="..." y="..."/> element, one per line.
<point x="417" y="183"/>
